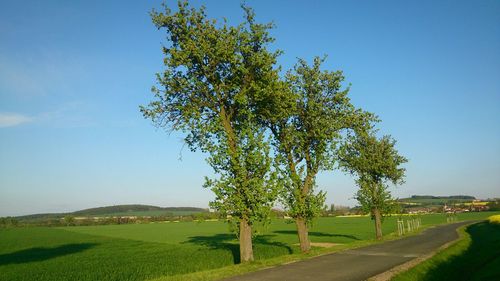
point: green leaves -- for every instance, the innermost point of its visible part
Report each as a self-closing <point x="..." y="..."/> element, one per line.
<point x="372" y="159"/>
<point x="375" y="162"/>
<point x="251" y="196"/>
<point x="214" y="75"/>
<point x="265" y="135"/>
<point x="308" y="118"/>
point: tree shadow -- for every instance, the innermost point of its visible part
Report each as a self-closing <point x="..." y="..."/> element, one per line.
<point x="317" y="234"/>
<point x="229" y="242"/>
<point x="42" y="253"/>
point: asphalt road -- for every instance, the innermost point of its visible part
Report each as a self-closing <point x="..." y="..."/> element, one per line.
<point x="360" y="263"/>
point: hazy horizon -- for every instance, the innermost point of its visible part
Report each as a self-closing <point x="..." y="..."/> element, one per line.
<point x="73" y="74"/>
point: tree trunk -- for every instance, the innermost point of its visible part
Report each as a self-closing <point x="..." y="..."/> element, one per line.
<point x="246" y="251"/>
<point x="302" y="231"/>
<point x="378" y="223"/>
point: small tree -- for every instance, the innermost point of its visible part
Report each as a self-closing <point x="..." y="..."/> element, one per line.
<point x="69" y="220"/>
<point x="214" y="74"/>
<point x="375" y="162"/>
<point x="307" y="119"/>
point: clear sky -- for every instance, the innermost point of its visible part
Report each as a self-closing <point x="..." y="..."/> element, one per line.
<point x="73" y="74"/>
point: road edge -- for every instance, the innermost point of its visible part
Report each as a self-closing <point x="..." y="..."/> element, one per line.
<point x="389" y="274"/>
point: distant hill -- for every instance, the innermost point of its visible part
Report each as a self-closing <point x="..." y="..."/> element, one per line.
<point x="465" y="197"/>
<point x="429" y="200"/>
<point x="120" y="210"/>
<point x="116" y="209"/>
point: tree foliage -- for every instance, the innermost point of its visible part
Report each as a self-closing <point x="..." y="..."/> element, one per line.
<point x="214" y="76"/>
<point x="375" y="162"/>
<point x="309" y="119"/>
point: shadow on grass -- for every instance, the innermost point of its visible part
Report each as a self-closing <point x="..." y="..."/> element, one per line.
<point x="229" y="242"/>
<point x="41" y="254"/>
<point x="318" y="234"/>
<point x="478" y="262"/>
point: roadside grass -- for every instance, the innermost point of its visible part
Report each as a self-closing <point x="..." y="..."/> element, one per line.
<point x="171" y="251"/>
<point x="476" y="256"/>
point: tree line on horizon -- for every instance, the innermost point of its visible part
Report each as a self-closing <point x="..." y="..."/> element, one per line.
<point x="465" y="197"/>
<point x="266" y="133"/>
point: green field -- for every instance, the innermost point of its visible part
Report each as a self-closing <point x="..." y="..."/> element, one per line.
<point x="146" y="251"/>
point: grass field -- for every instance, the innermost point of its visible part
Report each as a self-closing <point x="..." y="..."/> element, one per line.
<point x="475" y="257"/>
<point x="148" y="251"/>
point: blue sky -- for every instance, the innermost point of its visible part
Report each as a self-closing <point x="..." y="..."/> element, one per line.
<point x="73" y="73"/>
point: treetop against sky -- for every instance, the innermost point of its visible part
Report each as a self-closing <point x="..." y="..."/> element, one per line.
<point x="72" y="75"/>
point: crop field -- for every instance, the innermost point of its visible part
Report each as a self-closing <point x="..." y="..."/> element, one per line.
<point x="494" y="219"/>
<point x="148" y="251"/>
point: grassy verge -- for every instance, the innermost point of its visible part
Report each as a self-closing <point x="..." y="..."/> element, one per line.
<point x="476" y="256"/>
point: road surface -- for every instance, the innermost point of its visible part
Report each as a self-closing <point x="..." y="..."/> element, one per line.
<point x="360" y="263"/>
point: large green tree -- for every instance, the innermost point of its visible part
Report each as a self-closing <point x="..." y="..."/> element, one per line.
<point x="375" y="162"/>
<point x="214" y="75"/>
<point x="308" y="118"/>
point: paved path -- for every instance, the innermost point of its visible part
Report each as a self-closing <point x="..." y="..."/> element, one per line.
<point x="360" y="263"/>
